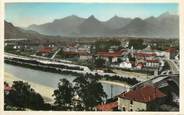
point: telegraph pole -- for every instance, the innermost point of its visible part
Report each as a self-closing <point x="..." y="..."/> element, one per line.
<point x="111" y="91"/>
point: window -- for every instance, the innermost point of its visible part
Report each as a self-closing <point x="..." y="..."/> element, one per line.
<point x="124" y="109"/>
<point x="131" y="102"/>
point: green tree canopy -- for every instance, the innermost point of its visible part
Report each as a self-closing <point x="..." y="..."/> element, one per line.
<point x="136" y="43"/>
<point x="99" y="62"/>
<point x="22" y="95"/>
<point x="63" y="95"/>
<point x="90" y="91"/>
<point x="104" y="45"/>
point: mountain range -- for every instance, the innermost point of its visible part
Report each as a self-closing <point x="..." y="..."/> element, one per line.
<point x="13" y="32"/>
<point x="164" y="26"/>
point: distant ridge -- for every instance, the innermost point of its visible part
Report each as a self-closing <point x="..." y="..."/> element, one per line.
<point x="164" y="26"/>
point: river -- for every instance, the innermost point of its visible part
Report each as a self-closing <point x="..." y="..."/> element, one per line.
<point x="51" y="79"/>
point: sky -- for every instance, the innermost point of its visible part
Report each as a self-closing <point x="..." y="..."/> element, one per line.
<point x="25" y="14"/>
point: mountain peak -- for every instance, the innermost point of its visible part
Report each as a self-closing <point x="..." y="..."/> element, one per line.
<point x="115" y="16"/>
<point x="137" y="19"/>
<point x="165" y="14"/>
<point x="73" y="16"/>
<point x="150" y="18"/>
<point x="91" y="17"/>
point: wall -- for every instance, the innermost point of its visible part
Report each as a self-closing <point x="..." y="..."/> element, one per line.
<point x="136" y="106"/>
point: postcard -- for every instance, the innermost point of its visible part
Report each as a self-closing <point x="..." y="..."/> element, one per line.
<point x="94" y="56"/>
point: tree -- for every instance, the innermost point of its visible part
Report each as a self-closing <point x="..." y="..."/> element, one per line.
<point x="137" y="43"/>
<point x="23" y="96"/>
<point x="131" y="58"/>
<point x="99" y="62"/>
<point x="90" y="91"/>
<point x="104" y="45"/>
<point x="63" y="95"/>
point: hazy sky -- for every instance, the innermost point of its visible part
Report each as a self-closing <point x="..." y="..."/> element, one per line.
<point x="24" y="14"/>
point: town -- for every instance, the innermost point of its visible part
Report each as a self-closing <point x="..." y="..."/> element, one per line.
<point x="92" y="57"/>
<point x="153" y="63"/>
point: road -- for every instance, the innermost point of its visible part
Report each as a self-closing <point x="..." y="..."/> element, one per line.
<point x="173" y="66"/>
<point x="55" y="53"/>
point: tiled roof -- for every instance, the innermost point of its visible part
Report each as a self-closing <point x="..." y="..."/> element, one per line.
<point x="143" y="94"/>
<point x="145" y="54"/>
<point x="110" y="54"/>
<point x="152" y="61"/>
<point x="45" y="50"/>
<point x="171" y="50"/>
<point x="107" y="106"/>
<point x="70" y="53"/>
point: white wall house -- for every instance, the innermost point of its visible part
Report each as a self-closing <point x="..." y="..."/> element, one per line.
<point x="127" y="65"/>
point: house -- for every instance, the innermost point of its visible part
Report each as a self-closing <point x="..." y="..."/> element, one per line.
<point x="107" y="107"/>
<point x="152" y="63"/>
<point x="142" y="98"/>
<point x="125" y="64"/>
<point x="171" y="53"/>
<point x="70" y="49"/>
<point x="71" y="54"/>
<point x="140" y="65"/>
<point x="45" y="50"/>
<point x="84" y="48"/>
<point x="111" y="56"/>
<point x="7" y="88"/>
<point x="160" y="54"/>
<point x="145" y="55"/>
<point x="84" y="56"/>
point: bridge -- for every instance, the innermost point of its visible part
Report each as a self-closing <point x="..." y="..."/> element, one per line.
<point x="159" y="81"/>
<point x="173" y="66"/>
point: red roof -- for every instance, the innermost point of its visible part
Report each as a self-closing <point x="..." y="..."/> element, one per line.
<point x="143" y="94"/>
<point x="153" y="61"/>
<point x="71" y="53"/>
<point x="145" y="54"/>
<point x="110" y="54"/>
<point x="45" y="50"/>
<point x="107" y="106"/>
<point x="171" y="50"/>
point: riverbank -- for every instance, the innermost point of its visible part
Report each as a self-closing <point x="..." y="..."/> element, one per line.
<point x="49" y="68"/>
<point x="45" y="91"/>
<point x="58" y="67"/>
<point x="132" y="74"/>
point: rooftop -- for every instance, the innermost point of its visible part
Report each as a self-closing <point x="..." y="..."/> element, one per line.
<point x="107" y="106"/>
<point x="171" y="50"/>
<point x="45" y="50"/>
<point x="143" y="94"/>
<point x="153" y="61"/>
<point x="111" y="54"/>
<point x="144" y="54"/>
